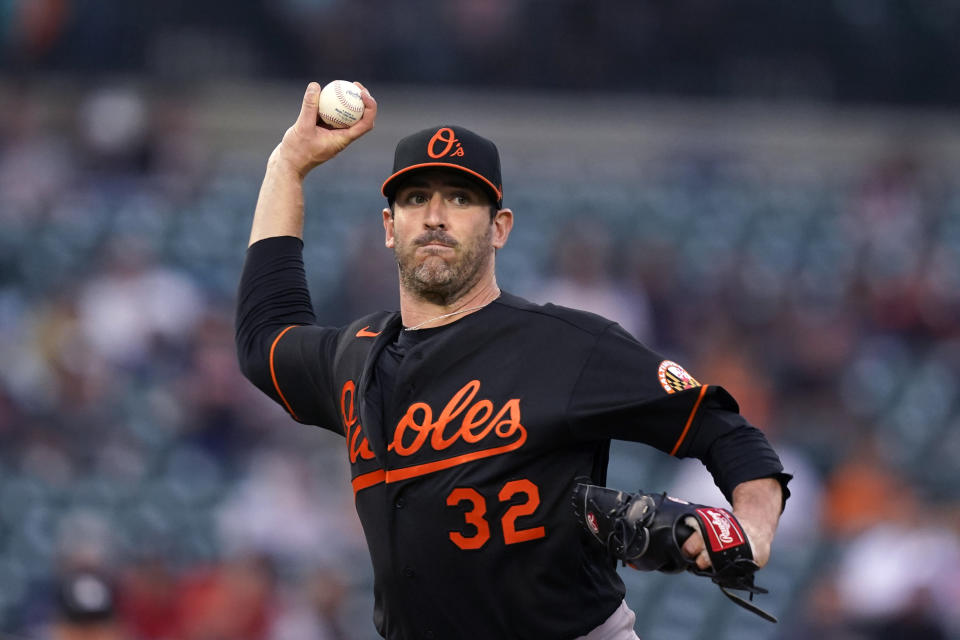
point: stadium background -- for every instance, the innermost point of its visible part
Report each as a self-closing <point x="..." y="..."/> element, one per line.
<point x="765" y="192"/>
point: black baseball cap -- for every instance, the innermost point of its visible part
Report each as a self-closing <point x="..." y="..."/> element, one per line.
<point x="448" y="146"/>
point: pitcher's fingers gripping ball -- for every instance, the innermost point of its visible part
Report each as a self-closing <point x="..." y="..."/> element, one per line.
<point x="341" y="104"/>
<point x="646" y="531"/>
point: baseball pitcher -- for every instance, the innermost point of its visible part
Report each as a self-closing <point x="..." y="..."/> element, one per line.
<point x="477" y="424"/>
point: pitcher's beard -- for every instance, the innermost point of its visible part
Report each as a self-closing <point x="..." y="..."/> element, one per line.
<point x="438" y="281"/>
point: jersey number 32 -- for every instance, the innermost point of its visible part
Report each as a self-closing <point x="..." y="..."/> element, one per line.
<point x="475" y="515"/>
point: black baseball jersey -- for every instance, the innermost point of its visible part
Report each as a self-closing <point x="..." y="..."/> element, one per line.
<point x="463" y="467"/>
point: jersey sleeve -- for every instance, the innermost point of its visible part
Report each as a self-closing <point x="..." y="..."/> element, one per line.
<point x="628" y="392"/>
<point x="279" y="347"/>
<point x="301" y="374"/>
<point x="619" y="395"/>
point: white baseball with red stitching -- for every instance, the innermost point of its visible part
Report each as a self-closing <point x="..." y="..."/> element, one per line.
<point x="340" y="104"/>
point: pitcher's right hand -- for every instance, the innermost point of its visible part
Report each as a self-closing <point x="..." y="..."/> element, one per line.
<point x="309" y="143"/>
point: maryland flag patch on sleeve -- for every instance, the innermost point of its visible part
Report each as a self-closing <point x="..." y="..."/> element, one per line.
<point x="675" y="378"/>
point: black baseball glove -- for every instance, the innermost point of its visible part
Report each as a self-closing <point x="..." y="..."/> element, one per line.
<point x="647" y="531"/>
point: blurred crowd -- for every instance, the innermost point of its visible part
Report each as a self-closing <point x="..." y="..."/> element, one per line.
<point x="138" y="468"/>
<point x="148" y="492"/>
<point x="845" y="50"/>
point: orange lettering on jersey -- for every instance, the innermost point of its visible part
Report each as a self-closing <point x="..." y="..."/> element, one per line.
<point x="348" y="411"/>
<point x="475" y="417"/>
<point x="351" y="424"/>
<point x="418" y="424"/>
<point x="462" y="418"/>
<point x="421" y="429"/>
<point x="511" y="424"/>
<point x="460" y="401"/>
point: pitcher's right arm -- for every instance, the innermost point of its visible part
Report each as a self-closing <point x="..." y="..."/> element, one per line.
<point x="305" y="145"/>
<point x="279" y="347"/>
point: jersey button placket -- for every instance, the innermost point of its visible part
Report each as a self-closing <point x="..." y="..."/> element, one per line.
<point x="416" y="356"/>
<point x="408" y="572"/>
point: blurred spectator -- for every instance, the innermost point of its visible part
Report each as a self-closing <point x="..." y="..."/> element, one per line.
<point x="653" y="273"/>
<point x="917" y="619"/>
<point x="887" y="222"/>
<point x="37" y="164"/>
<point x="368" y="281"/>
<point x="276" y="510"/>
<point x="583" y="279"/>
<point x="315" y="610"/>
<point x="148" y="600"/>
<point x="135" y="305"/>
<point x="114" y="128"/>
<point x="821" y="615"/>
<point x="231" y="601"/>
<point x="35" y="26"/>
<point x="75" y="375"/>
<point x="888" y="574"/>
<point x="86" y="608"/>
<point x="863" y="491"/>
<point x="214" y="394"/>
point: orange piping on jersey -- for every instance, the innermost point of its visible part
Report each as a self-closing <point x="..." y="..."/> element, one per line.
<point x="365" y="480"/>
<point x="693" y="412"/>
<point x="273" y="373"/>
<point x="405" y="473"/>
<point x="396" y="475"/>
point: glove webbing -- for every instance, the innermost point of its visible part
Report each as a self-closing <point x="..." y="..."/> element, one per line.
<point x="622" y="541"/>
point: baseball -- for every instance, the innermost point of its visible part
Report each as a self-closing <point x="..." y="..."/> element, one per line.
<point x="340" y="104"/>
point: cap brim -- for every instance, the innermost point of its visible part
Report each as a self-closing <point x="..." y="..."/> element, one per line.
<point x="447" y="165"/>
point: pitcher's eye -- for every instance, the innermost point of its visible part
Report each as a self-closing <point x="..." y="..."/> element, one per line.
<point x="415" y="197"/>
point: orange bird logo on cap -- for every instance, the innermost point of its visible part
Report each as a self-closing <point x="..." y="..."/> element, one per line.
<point x="448" y="137"/>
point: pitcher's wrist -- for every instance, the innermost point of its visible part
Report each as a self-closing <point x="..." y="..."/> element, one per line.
<point x="284" y="163"/>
